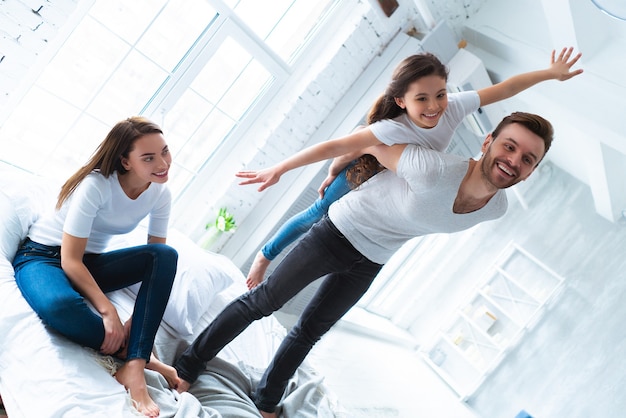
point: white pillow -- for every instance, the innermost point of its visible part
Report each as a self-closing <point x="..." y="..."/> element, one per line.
<point x="200" y="276"/>
<point x="12" y="232"/>
<point x="23" y="198"/>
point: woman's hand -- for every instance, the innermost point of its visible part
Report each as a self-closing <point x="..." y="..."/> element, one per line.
<point x="266" y="177"/>
<point x="114" y="333"/>
<point x="72" y="252"/>
<point x="560" y="66"/>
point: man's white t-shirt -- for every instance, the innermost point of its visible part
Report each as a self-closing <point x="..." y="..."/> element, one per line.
<point x="389" y="209"/>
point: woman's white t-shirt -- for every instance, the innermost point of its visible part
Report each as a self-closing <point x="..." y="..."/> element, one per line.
<point x="99" y="209"/>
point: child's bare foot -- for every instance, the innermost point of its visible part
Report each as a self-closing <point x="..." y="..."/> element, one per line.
<point x="168" y="372"/>
<point x="131" y="376"/>
<point x="268" y="414"/>
<point x="257" y="271"/>
<point x="183" y="386"/>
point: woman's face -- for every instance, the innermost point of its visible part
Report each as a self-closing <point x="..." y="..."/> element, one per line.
<point x="425" y="101"/>
<point x="150" y="159"/>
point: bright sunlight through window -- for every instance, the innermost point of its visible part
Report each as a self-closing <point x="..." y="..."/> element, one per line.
<point x="196" y="67"/>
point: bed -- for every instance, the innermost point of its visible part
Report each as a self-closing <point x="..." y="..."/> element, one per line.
<point x="45" y="375"/>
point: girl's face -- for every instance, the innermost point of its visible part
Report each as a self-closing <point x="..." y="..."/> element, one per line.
<point x="425" y="101"/>
<point x="150" y="159"/>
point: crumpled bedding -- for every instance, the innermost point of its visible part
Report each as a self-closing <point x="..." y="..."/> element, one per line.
<point x="42" y="374"/>
<point x="45" y="375"/>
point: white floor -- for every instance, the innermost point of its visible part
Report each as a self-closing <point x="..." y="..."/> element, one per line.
<point x="379" y="378"/>
<point x="568" y="365"/>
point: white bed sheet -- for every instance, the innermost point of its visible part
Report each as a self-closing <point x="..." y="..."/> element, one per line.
<point x="45" y="375"/>
<point x="42" y="374"/>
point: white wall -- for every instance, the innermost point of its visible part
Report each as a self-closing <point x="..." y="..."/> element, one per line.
<point x="587" y="112"/>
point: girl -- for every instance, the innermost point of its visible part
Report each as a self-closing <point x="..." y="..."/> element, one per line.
<point x="416" y="109"/>
<point x="62" y="265"/>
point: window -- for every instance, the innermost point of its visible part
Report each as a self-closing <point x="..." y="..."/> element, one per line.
<point x="196" y="67"/>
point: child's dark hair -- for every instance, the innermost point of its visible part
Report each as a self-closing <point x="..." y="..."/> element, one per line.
<point x="408" y="71"/>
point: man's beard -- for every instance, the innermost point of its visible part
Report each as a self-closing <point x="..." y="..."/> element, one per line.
<point x="487" y="166"/>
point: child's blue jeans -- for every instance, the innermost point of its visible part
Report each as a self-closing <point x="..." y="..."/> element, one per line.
<point x="303" y="221"/>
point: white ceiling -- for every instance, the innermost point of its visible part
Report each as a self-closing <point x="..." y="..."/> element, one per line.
<point x="588" y="112"/>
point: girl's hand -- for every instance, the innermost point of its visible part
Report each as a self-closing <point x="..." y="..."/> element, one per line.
<point x="561" y="66"/>
<point x="266" y="177"/>
<point x="327" y="181"/>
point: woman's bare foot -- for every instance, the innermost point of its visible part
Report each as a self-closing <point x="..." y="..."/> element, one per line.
<point x="257" y="271"/>
<point x="168" y="372"/>
<point x="131" y="376"/>
<point x="268" y="414"/>
<point x="183" y="386"/>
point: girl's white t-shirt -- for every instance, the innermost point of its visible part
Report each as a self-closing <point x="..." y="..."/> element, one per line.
<point x="401" y="130"/>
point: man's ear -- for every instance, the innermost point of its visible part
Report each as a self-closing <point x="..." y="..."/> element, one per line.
<point x="486" y="143"/>
<point x="400" y="102"/>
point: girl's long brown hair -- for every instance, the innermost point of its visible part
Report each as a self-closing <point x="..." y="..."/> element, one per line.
<point x="107" y="158"/>
<point x="408" y="71"/>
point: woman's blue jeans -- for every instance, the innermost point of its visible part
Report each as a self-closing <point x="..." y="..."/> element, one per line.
<point x="301" y="222"/>
<point x="49" y="292"/>
<point x="323" y="251"/>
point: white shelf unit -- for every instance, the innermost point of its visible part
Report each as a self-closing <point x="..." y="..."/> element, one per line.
<point x="509" y="300"/>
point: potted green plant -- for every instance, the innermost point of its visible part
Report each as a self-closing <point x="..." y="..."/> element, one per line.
<point x="223" y="222"/>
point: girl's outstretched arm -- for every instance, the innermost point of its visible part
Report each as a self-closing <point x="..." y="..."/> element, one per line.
<point x="351" y="143"/>
<point x="560" y="69"/>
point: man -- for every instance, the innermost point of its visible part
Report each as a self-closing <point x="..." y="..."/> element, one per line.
<point x="422" y="192"/>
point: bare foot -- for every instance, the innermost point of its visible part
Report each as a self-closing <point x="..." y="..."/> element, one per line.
<point x="2" y="405"/>
<point x="168" y="372"/>
<point x="131" y="376"/>
<point x="183" y="386"/>
<point x="257" y="271"/>
<point x="268" y="414"/>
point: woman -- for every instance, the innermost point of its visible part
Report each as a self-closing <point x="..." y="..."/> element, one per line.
<point x="61" y="267"/>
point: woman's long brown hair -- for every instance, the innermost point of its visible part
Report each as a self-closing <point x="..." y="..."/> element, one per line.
<point x="107" y="158"/>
